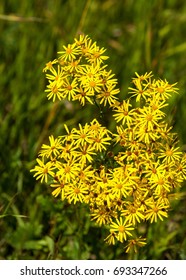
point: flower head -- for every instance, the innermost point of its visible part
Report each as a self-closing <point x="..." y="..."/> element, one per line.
<point x="122" y="229"/>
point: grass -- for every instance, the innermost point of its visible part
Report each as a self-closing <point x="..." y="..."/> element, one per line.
<point x="140" y="36"/>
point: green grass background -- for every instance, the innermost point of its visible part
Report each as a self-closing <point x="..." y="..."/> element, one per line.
<point x="139" y="36"/>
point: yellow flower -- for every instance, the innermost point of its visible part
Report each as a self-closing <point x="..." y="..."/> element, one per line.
<point x="95" y="127"/>
<point x="42" y="170"/>
<point x="86" y="46"/>
<point x="90" y="81"/>
<point x="122" y="228"/>
<point x="68" y="150"/>
<point x="142" y="89"/>
<point x="86" y="174"/>
<point x="111" y="238"/>
<point x="100" y="141"/>
<point x="83" y="39"/>
<point x="70" y="52"/>
<point x="162" y="89"/>
<point x="96" y="55"/>
<point x="54" y="89"/>
<point x="84" y="95"/>
<point x="102" y="215"/>
<point x="153" y="168"/>
<point x="61" y="187"/>
<point x="69" y="89"/>
<point x="163" y="198"/>
<point x="160" y="181"/>
<point x="156" y="105"/>
<point x="156" y="210"/>
<point x="148" y="118"/>
<point x="145" y="135"/>
<point x="51" y="150"/>
<point x="49" y="65"/>
<point x="133" y="214"/>
<point x="170" y="154"/>
<point x="121" y="136"/>
<point x="119" y="187"/>
<point x="123" y="113"/>
<point x="85" y="154"/>
<point x="82" y="135"/>
<point x="102" y="180"/>
<point x="133" y="244"/>
<point x="73" y="67"/>
<point x="107" y="95"/>
<point x="68" y="171"/>
<point x="90" y="71"/>
<point x="76" y="192"/>
<point x="107" y="78"/>
<point x="141" y="78"/>
<point x="55" y="75"/>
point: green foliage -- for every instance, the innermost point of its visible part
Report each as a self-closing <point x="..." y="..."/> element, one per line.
<point x="140" y="36"/>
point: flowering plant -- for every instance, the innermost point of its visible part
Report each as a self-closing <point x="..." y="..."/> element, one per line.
<point x="127" y="176"/>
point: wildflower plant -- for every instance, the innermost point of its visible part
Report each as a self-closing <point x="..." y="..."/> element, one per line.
<point x="127" y="176"/>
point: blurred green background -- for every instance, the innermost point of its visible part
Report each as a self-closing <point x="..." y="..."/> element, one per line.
<point x="140" y="36"/>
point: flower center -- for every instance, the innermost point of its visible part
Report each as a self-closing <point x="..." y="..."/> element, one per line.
<point x="121" y="228"/>
<point x="92" y="84"/>
<point x="67" y="169"/>
<point x="160" y="181"/>
<point x="45" y="170"/>
<point x="76" y="190"/>
<point x="107" y="93"/>
<point x="155" y="209"/>
<point x="69" y="87"/>
<point x="149" y="117"/>
<point x="160" y="90"/>
<point x="54" y="89"/>
<point x="169" y="153"/>
<point x="83" y="135"/>
<point x="119" y="186"/>
<point x="68" y="50"/>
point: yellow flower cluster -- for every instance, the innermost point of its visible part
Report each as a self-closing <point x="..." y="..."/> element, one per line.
<point x="79" y="74"/>
<point x="126" y="177"/>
